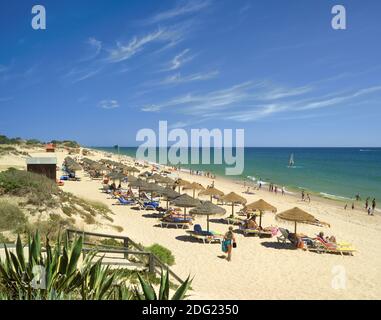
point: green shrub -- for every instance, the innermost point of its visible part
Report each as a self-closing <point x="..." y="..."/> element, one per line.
<point x="11" y="217"/>
<point x="4" y="239"/>
<point x="165" y="255"/>
<point x="37" y="188"/>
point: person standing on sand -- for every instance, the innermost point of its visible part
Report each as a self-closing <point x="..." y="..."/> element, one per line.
<point x="227" y="243"/>
<point x="345" y="207"/>
<point x="308" y="198"/>
<point x="302" y="195"/>
<point x="353" y="206"/>
<point x="373" y="205"/>
<point x="366" y="203"/>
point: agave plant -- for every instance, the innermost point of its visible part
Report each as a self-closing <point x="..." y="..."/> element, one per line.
<point x="56" y="273"/>
<point x="149" y="293"/>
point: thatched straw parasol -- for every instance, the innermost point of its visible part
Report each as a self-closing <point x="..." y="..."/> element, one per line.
<point x="145" y="174"/>
<point x="181" y="183"/>
<point x="186" y="201"/>
<point x="211" y="191"/>
<point x="151" y="188"/>
<point x="132" y="170"/>
<point x="131" y="178"/>
<point x="166" y="180"/>
<point x="138" y="183"/>
<point x="297" y="215"/>
<point x="233" y="198"/>
<point x="116" y="176"/>
<point x="194" y="186"/>
<point x="169" y="194"/>
<point x="262" y="206"/>
<point x="207" y="208"/>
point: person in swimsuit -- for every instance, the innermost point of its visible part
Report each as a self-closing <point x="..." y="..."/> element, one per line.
<point x="227" y="244"/>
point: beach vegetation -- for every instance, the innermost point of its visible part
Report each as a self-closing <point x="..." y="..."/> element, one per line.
<point x="11" y="217"/>
<point x="165" y="255"/>
<point x="65" y="274"/>
<point x="37" y="189"/>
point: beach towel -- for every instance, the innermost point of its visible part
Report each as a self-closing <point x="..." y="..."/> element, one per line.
<point x="225" y="245"/>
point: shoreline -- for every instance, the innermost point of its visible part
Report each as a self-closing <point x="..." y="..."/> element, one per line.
<point x="292" y="191"/>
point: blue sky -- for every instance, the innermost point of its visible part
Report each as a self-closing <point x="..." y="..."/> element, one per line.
<point x="102" y="70"/>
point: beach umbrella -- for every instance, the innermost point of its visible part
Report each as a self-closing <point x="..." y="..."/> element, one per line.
<point x="194" y="186"/>
<point x="211" y="191"/>
<point x="145" y="174"/>
<point x="233" y="198"/>
<point x="185" y="201"/>
<point x="207" y="208"/>
<point x="181" y="183"/>
<point x="151" y="188"/>
<point x="262" y="206"/>
<point x="138" y="183"/>
<point x="297" y="215"/>
<point x="114" y="175"/>
<point x="131" y="178"/>
<point x="130" y="169"/>
<point x="169" y="194"/>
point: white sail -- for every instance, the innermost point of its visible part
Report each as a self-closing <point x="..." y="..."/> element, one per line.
<point x="291" y="161"/>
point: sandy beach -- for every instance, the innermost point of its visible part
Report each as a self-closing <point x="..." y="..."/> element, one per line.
<point x="260" y="268"/>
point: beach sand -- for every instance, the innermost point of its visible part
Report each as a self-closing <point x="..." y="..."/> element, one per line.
<point x="260" y="268"/>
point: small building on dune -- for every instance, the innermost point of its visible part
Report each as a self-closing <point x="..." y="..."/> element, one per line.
<point x="43" y="164"/>
<point x="50" y="147"/>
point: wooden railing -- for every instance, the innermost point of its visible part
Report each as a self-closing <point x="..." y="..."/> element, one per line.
<point x="153" y="262"/>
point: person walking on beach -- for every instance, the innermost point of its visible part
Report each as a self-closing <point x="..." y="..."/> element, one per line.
<point x="345" y="207"/>
<point x="282" y="190"/>
<point x="373" y="205"/>
<point x="302" y="195"/>
<point x="227" y="243"/>
<point x="308" y="198"/>
<point x="366" y="203"/>
<point x="353" y="206"/>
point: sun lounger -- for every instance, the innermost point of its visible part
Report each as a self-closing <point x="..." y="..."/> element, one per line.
<point x="234" y="221"/>
<point x="285" y="236"/>
<point x="178" y="224"/>
<point x="125" y="202"/>
<point x="327" y="247"/>
<point x="205" y="236"/>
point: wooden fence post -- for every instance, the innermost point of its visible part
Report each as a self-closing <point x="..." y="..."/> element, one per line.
<point x="125" y="245"/>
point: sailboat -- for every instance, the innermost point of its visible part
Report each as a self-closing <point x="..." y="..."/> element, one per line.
<point x="291" y="162"/>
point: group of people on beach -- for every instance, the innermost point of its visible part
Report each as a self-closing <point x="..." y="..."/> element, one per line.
<point x="274" y="188"/>
<point x="306" y="196"/>
<point x="370" y="208"/>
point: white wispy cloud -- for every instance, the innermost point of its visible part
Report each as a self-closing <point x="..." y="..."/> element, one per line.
<point x="79" y="74"/>
<point x="122" y="52"/>
<point x="183" y="8"/>
<point x="177" y="78"/>
<point x="249" y="102"/>
<point x="179" y="60"/>
<point x="339" y="99"/>
<point x="108" y="104"/>
<point x="96" y="46"/>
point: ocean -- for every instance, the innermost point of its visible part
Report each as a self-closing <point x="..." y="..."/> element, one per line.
<point x="336" y="173"/>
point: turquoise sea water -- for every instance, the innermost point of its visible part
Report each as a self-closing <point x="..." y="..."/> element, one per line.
<point x="337" y="173"/>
